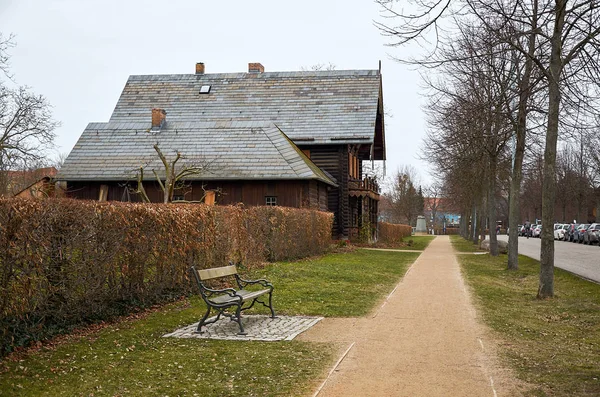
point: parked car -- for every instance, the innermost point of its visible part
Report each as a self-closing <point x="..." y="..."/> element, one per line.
<point x="559" y="233"/>
<point x="570" y="233"/>
<point x="578" y="235"/>
<point x="536" y="231"/>
<point x="591" y="235"/>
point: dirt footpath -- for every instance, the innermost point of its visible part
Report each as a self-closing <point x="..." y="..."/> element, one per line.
<point x="424" y="340"/>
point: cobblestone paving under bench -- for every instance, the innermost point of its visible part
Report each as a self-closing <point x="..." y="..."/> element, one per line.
<point x="258" y="327"/>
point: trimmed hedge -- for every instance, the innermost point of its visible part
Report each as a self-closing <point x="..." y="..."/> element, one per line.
<point x="65" y="263"/>
<point x="449" y="230"/>
<point x="392" y="233"/>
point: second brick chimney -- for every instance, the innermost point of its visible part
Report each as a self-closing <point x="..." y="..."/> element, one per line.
<point x="199" y="68"/>
<point x="256" y="67"/>
<point x="158" y="117"/>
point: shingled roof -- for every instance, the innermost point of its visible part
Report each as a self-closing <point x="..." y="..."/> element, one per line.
<point x="114" y="151"/>
<point x="312" y="107"/>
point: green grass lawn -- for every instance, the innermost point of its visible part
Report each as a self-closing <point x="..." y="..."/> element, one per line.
<point x="553" y="344"/>
<point x="462" y="245"/>
<point x="418" y="242"/>
<point x="130" y="358"/>
<point x="337" y="285"/>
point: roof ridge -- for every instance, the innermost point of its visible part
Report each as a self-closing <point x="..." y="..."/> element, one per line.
<point x="273" y="126"/>
<point x="314" y="169"/>
<point x="282" y="73"/>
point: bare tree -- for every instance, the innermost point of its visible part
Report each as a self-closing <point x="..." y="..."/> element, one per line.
<point x="174" y="176"/>
<point x="568" y="31"/>
<point x="26" y="123"/>
<point x="406" y="199"/>
<point x="319" y="66"/>
<point x="433" y="201"/>
<point x="26" y="127"/>
<point x="5" y="44"/>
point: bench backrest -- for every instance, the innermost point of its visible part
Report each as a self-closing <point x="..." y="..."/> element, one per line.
<point x="207" y="274"/>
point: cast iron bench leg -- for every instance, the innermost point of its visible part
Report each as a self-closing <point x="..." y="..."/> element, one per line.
<point x="238" y="316"/>
<point x="201" y="323"/>
<point x="271" y="305"/>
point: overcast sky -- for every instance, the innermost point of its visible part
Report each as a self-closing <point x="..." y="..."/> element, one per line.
<point x="79" y="53"/>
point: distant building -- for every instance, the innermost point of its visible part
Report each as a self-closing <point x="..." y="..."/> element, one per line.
<point x="439" y="210"/>
<point x="37" y="183"/>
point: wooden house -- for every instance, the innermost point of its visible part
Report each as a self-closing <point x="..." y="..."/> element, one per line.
<point x="267" y="138"/>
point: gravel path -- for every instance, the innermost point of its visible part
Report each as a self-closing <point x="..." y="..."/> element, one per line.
<point x="424" y="340"/>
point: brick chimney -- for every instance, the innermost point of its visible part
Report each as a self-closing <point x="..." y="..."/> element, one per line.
<point x="256" y="67"/>
<point x="158" y="117"/>
<point x="199" y="68"/>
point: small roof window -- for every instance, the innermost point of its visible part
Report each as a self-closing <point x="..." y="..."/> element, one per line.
<point x="205" y="89"/>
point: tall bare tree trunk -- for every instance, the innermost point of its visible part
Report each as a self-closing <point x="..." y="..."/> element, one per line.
<point x="514" y="211"/>
<point x="492" y="207"/>
<point x="481" y="210"/>
<point x="474" y="220"/>
<point x="546" y="287"/>
<point x="464" y="225"/>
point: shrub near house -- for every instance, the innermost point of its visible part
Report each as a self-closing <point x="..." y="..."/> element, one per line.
<point x="69" y="262"/>
<point x="390" y="233"/>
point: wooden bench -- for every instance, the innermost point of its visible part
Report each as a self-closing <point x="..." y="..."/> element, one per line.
<point x="223" y="299"/>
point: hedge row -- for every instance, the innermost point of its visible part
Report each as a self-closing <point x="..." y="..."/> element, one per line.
<point x="66" y="262"/>
<point x="449" y="230"/>
<point x="390" y="233"/>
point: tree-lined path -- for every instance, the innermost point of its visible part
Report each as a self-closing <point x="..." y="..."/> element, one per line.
<point x="424" y="340"/>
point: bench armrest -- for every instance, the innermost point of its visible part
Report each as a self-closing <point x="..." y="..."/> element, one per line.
<point x="243" y="283"/>
<point x="229" y="291"/>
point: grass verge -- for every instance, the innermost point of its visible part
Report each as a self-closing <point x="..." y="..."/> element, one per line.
<point x="553" y="344"/>
<point x="336" y="285"/>
<point x="418" y="242"/>
<point x="462" y="245"/>
<point x="130" y="358"/>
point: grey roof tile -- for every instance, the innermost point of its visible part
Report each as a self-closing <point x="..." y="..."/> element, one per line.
<point x="344" y="102"/>
<point x="110" y="152"/>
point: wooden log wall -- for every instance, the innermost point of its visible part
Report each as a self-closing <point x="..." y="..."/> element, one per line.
<point x="298" y="194"/>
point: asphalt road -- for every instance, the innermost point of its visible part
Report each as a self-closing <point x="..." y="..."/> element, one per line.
<point x="580" y="259"/>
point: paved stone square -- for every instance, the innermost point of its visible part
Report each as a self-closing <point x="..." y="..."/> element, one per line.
<point x="258" y="327"/>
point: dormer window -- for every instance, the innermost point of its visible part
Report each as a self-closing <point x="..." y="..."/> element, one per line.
<point x="205" y="89"/>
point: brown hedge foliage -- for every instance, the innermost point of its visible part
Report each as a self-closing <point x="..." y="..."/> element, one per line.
<point x="449" y="230"/>
<point x="392" y="233"/>
<point x="66" y="262"/>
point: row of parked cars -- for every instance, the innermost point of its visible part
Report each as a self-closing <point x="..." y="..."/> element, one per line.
<point x="586" y="233"/>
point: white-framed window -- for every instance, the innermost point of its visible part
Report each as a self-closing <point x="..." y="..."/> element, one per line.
<point x="271" y="200"/>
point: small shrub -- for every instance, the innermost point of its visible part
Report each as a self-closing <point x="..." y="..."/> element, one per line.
<point x="392" y="233"/>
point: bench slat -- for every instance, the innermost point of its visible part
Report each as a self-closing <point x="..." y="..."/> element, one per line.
<point x="245" y="294"/>
<point x="207" y="274"/>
